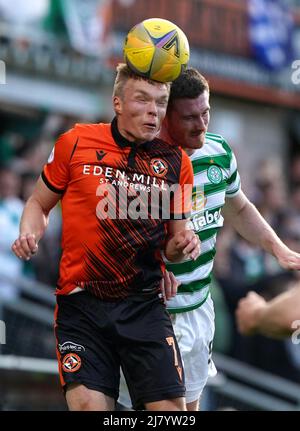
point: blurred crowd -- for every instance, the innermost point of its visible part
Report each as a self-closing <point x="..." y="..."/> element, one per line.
<point x="240" y="267"/>
<point x="21" y="164"/>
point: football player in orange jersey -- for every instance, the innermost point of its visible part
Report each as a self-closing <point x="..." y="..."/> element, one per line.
<point x="109" y="309"/>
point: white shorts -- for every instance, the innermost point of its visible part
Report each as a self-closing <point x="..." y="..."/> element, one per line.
<point x="194" y="332"/>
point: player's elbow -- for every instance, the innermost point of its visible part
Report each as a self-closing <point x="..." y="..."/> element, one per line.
<point x="34" y="203"/>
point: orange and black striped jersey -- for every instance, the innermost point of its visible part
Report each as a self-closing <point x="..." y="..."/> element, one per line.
<point x="114" y="196"/>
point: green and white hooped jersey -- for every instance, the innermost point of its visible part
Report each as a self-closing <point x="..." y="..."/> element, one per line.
<point x="215" y="179"/>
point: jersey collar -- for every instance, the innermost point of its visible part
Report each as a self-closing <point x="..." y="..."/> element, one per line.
<point x="121" y="140"/>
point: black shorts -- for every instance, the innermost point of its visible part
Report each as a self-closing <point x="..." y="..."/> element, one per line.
<point x="96" y="338"/>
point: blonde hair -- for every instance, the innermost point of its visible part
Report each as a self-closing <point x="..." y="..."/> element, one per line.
<point x="124" y="73"/>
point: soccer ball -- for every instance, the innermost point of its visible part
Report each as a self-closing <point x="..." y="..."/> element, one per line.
<point x="157" y="49"/>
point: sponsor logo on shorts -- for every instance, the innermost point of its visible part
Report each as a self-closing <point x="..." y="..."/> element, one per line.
<point x="71" y="363"/>
<point x="70" y="346"/>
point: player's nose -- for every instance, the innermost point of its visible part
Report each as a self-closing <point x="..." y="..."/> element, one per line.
<point x="152" y="108"/>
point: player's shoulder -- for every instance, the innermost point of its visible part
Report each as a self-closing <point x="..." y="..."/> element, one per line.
<point x="160" y="144"/>
<point x="174" y="154"/>
<point x="218" y="141"/>
<point x="90" y="129"/>
<point x="82" y="134"/>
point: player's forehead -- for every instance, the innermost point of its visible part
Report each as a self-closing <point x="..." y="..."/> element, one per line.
<point x="141" y="86"/>
<point x="195" y="105"/>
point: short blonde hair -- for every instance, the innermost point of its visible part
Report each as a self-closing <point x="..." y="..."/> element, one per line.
<point x="124" y="73"/>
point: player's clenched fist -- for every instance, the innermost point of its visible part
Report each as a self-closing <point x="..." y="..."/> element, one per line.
<point x="184" y="244"/>
<point x="25" y="246"/>
<point x="188" y="243"/>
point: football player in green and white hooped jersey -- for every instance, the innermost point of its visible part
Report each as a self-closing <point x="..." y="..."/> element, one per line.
<point x="216" y="187"/>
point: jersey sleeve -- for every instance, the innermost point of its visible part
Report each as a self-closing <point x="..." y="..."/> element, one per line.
<point x="56" y="172"/>
<point x="182" y="199"/>
<point x="233" y="182"/>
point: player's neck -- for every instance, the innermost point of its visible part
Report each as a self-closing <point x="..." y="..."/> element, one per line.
<point x="189" y="151"/>
<point x="124" y="136"/>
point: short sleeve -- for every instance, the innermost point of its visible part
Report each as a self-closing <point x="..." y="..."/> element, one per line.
<point x="233" y="182"/>
<point x="182" y="200"/>
<point x="56" y="172"/>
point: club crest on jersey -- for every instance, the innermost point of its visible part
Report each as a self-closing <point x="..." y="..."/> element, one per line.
<point x="214" y="174"/>
<point x="159" y="167"/>
<point x="198" y="201"/>
<point x="71" y="363"/>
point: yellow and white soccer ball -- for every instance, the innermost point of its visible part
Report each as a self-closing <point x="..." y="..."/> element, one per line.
<point x="157" y="49"/>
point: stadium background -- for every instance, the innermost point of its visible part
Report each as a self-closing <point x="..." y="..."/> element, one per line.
<point x="57" y="68"/>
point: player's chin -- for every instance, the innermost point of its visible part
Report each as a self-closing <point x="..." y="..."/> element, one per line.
<point x="149" y="135"/>
<point x="194" y="144"/>
<point x="197" y="141"/>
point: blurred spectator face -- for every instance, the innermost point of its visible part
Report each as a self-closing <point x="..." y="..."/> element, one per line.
<point x="273" y="195"/>
<point x="271" y="184"/>
<point x="9" y="184"/>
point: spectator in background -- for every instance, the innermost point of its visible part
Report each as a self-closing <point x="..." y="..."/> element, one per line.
<point x="271" y="196"/>
<point x="11" y="208"/>
<point x="33" y="157"/>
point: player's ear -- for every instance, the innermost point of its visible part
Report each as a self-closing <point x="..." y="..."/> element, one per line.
<point x="117" y="104"/>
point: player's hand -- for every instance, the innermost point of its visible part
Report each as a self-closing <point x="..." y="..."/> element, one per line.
<point x="25" y="246"/>
<point x="188" y="243"/>
<point x="288" y="259"/>
<point x="169" y="285"/>
<point x="249" y="312"/>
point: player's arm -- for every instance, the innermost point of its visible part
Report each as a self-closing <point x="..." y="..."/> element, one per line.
<point x="48" y="191"/>
<point x="169" y="285"/>
<point x="34" y="220"/>
<point x="274" y="318"/>
<point x="247" y="221"/>
<point x="181" y="242"/>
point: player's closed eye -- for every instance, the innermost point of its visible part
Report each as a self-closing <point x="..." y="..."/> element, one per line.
<point x="142" y="99"/>
<point x="162" y="103"/>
